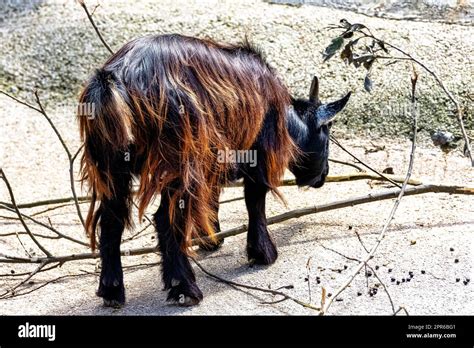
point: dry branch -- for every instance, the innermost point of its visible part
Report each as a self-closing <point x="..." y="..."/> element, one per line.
<point x="70" y="157"/>
<point x="369" y="198"/>
<point x="250" y="287"/>
<point x="89" y="16"/>
<point x="287" y="182"/>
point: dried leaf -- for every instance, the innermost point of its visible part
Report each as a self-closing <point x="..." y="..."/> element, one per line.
<point x="346" y="53"/>
<point x="358" y="60"/>
<point x="345" y="23"/>
<point x="368" y="64"/>
<point x="368" y="86"/>
<point x="348" y="34"/>
<point x="382" y="46"/>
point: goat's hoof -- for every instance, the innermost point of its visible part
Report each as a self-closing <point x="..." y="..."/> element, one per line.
<point x="263" y="253"/>
<point x="185" y="294"/>
<point x="211" y="246"/>
<point x="113" y="294"/>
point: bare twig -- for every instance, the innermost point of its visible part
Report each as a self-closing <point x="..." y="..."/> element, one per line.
<point x="286" y="182"/>
<point x="25" y="226"/>
<point x="42" y="111"/>
<point x="250" y="287"/>
<point x="335" y="141"/>
<point x="89" y="16"/>
<point x="394" y="209"/>
<point x="49" y="227"/>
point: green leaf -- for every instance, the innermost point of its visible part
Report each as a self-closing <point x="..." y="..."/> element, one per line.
<point x="333" y="47"/>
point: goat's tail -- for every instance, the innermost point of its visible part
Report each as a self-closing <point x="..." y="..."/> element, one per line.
<point x="105" y="124"/>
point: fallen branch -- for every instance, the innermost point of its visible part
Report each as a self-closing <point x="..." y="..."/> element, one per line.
<point x="286" y="182"/>
<point x="250" y="287"/>
<point x="372" y="197"/>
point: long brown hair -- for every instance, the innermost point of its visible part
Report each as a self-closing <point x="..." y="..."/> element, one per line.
<point x="178" y="100"/>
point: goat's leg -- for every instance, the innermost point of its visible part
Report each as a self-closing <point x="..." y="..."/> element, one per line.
<point x="260" y="247"/>
<point x="114" y="214"/>
<point x="213" y="246"/>
<point x="177" y="273"/>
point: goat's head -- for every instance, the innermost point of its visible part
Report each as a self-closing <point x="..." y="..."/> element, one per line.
<point x="309" y="123"/>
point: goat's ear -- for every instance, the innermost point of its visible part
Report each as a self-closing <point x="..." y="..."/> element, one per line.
<point x="327" y="112"/>
<point x="314" y="90"/>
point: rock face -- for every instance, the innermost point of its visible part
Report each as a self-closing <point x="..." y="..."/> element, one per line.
<point x="51" y="46"/>
<point x="450" y="11"/>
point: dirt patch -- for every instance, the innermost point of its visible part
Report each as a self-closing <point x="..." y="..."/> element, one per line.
<point x="420" y="239"/>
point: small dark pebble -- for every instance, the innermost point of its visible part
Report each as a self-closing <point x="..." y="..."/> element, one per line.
<point x="389" y="270"/>
<point x="318" y="281"/>
<point x="423" y="272"/>
<point x="371" y="294"/>
<point x="468" y="280"/>
<point x="403" y="280"/>
<point x="369" y="274"/>
<point x="339" y="299"/>
<point x="339" y="270"/>
<point x="329" y="295"/>
<point x="359" y="294"/>
<point x="398" y="282"/>
<point x="392" y="279"/>
<point x="306" y="279"/>
<point x="456" y="260"/>
<point x="410" y="273"/>
<point x="350" y="227"/>
<point x="317" y="278"/>
<point x="458" y="280"/>
<point x="465" y="282"/>
<point x="408" y="279"/>
<point x="451" y="249"/>
<point x="377" y="267"/>
<point x="12" y="271"/>
<point x="345" y="266"/>
<point x="31" y="282"/>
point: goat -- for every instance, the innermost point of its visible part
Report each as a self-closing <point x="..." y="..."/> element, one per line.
<point x="165" y="108"/>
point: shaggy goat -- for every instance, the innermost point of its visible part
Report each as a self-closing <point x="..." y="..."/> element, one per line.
<point x="165" y="108"/>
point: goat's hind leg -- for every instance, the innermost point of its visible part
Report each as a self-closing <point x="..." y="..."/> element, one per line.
<point x="178" y="275"/>
<point x="114" y="214"/>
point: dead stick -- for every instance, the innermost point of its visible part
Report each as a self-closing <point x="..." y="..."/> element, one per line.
<point x="89" y="16"/>
<point x="286" y="182"/>
<point x="372" y="197"/>
<point x="25" y="226"/>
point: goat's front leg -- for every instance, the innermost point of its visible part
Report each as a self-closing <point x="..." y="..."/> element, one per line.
<point x="177" y="273"/>
<point x="260" y="247"/>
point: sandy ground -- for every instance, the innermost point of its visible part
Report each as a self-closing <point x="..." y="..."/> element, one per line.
<point x="423" y="232"/>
